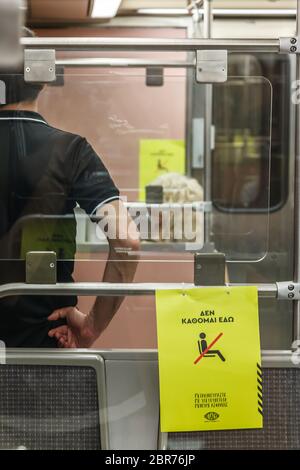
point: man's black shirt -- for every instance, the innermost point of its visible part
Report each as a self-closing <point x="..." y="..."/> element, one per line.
<point x="44" y="174"/>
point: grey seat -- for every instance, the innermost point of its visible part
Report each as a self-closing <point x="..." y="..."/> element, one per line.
<point x="50" y="402"/>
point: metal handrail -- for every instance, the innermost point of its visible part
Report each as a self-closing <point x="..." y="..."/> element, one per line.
<point x="148" y="44"/>
<point x="115" y="290"/>
<point x="127" y="63"/>
<point x="205" y="206"/>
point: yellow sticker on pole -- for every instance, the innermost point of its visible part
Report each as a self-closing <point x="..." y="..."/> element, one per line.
<point x="157" y="157"/>
<point x="209" y="359"/>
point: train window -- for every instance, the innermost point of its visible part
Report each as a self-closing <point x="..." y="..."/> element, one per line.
<point x="240" y="146"/>
<point x="241" y="167"/>
<point x="241" y="158"/>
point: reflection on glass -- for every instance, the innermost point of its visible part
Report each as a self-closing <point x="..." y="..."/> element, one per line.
<point x="242" y="150"/>
<point x="140" y="139"/>
<point x="98" y="136"/>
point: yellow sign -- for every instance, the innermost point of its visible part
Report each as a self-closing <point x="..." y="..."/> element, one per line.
<point x="209" y="359"/>
<point x="46" y="234"/>
<point x="158" y="157"/>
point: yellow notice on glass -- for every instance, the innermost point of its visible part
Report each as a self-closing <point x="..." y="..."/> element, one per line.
<point x="57" y="234"/>
<point x="209" y="359"/>
<point x="158" y="157"/>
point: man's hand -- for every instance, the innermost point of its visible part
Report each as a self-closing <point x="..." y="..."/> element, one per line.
<point x="124" y="245"/>
<point x="78" y="333"/>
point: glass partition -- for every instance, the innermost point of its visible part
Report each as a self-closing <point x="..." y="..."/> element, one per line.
<point x="138" y="134"/>
<point x="102" y="134"/>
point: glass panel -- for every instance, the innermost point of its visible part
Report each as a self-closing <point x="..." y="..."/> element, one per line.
<point x="242" y="145"/>
<point x="277" y="70"/>
<point x="136" y="137"/>
<point x="241" y="167"/>
<point x="139" y="132"/>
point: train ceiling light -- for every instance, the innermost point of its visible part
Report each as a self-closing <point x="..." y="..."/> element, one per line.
<point x="105" y="8"/>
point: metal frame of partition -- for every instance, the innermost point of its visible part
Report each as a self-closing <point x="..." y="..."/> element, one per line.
<point x="270" y="291"/>
<point x="163" y="45"/>
<point x="297" y="198"/>
<point x="151" y="45"/>
<point x="208" y="118"/>
<point x="288" y="290"/>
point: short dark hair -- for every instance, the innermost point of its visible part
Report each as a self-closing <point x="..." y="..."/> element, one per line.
<point x="16" y="89"/>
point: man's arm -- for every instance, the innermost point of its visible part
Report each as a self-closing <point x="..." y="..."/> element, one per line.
<point x="124" y="245"/>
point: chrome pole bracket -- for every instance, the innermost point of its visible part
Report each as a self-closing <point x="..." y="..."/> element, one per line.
<point x="39" y="66"/>
<point x="211" y="66"/>
<point x="41" y="267"/>
<point x="154" y="76"/>
<point x="289" y="45"/>
<point x="288" y="290"/>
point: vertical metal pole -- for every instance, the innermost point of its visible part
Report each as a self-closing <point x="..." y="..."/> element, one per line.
<point x="296" y="333"/>
<point x="190" y="74"/>
<point x="208" y="17"/>
<point x="208" y="20"/>
<point x="12" y="17"/>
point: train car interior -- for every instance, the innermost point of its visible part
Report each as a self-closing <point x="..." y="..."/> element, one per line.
<point x="145" y="146"/>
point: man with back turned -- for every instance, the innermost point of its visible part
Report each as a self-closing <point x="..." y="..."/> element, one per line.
<point x="44" y="174"/>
